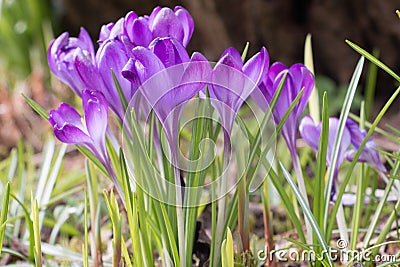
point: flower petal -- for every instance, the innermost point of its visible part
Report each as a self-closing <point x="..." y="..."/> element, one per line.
<point x="187" y="23"/>
<point x="96" y="114"/>
<point x="67" y="125"/>
<point x="256" y="67"/>
<point x="112" y="56"/>
<point x="310" y="132"/>
<point x="147" y="69"/>
<point x="139" y="32"/>
<point x="170" y="51"/>
<point x="166" y="24"/>
<point x="105" y="32"/>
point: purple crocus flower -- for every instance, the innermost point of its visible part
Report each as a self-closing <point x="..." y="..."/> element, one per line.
<point x="298" y="77"/>
<point x="162" y="22"/>
<point x="72" y="60"/>
<point x="232" y="82"/>
<point x="68" y="126"/>
<point x="369" y="153"/>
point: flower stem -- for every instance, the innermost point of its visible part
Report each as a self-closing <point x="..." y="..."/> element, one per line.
<point x="179" y="217"/>
<point x="303" y="191"/>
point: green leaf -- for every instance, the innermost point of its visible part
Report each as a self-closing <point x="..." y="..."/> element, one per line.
<point x="36" y="232"/>
<point x="39" y="110"/>
<point x="320" y="169"/>
<point x="4" y="212"/>
<point x="307" y="212"/>
<point x="245" y="50"/>
<point x="85" y="249"/>
<point x="374" y="60"/>
<point x="92" y="158"/>
<point x="313" y="102"/>
<point x="338" y="138"/>
<point x="120" y="92"/>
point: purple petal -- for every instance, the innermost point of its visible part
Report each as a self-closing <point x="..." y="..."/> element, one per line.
<point x="86" y="70"/>
<point x="105" y="32"/>
<point x="369" y="153"/>
<point x="143" y="65"/>
<point x="130" y="18"/>
<point x="187" y="23"/>
<point x="62" y="54"/>
<point x="310" y="132"/>
<point x="234" y="56"/>
<point x="112" y="56"/>
<point x="153" y="14"/>
<point x="166" y="24"/>
<point x="139" y="32"/>
<point x="86" y="42"/>
<point x="302" y="78"/>
<point x="147" y="69"/>
<point x="67" y="125"/>
<point x="196" y="74"/>
<point x="343" y="146"/>
<point x="357" y="136"/>
<point x="227" y="82"/>
<point x="96" y="114"/>
<point x="169" y="51"/>
<point x="274" y="72"/>
<point x="257" y="66"/>
<point x="118" y="30"/>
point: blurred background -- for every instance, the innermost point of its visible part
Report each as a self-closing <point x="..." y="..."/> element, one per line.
<point x="27" y="27"/>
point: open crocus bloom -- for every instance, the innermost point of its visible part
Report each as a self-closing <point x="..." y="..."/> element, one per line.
<point x="68" y="126"/>
<point x="298" y="77"/>
<point x="232" y="82"/>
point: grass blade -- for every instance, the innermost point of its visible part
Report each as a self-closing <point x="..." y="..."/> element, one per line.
<point x="3" y="214"/>
<point x="313" y="102"/>
<point x="307" y="212"/>
<point x="338" y="138"/>
<point x="374" y="60"/>
<point x="319" y="184"/>
<point x="36" y="232"/>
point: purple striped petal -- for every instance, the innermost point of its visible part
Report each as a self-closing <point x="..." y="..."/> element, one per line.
<point x="170" y="51"/>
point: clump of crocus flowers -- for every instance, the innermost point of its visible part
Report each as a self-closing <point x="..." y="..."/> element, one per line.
<point x="136" y="49"/>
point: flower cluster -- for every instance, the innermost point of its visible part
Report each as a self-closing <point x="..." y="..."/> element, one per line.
<point x="135" y="49"/>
